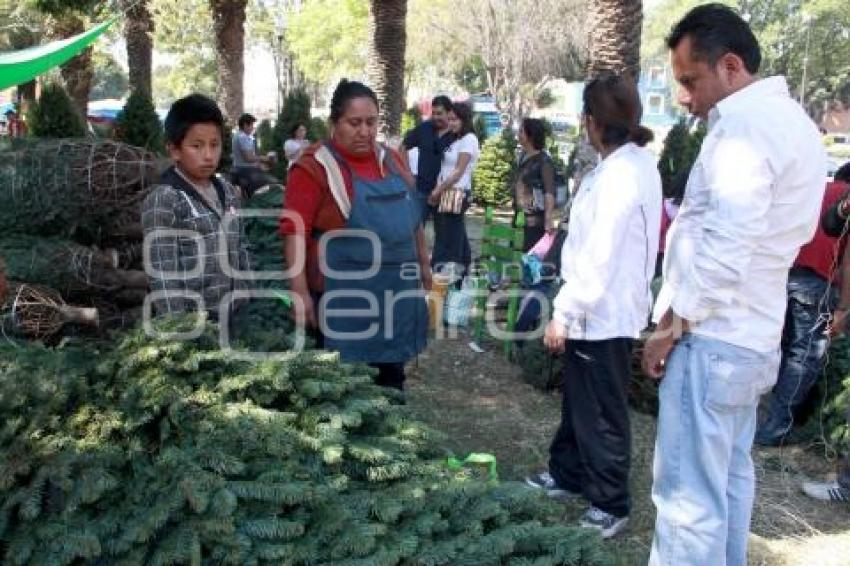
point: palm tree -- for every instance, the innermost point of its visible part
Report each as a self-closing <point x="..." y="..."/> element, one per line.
<point x="78" y="72"/>
<point x="138" y="33"/>
<point x="615" y="36"/>
<point x="385" y="67"/>
<point x="229" y="27"/>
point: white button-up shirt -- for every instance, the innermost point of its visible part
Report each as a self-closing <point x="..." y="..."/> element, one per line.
<point x="608" y="258"/>
<point x="752" y="199"/>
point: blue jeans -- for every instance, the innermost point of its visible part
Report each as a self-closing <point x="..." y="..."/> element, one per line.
<point x="703" y="478"/>
<point x="804" y="345"/>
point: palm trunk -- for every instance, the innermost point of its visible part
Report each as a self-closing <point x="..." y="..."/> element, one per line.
<point x="615" y="37"/>
<point x="387" y="43"/>
<point x="138" y="33"/>
<point x="229" y="26"/>
<point x="78" y="71"/>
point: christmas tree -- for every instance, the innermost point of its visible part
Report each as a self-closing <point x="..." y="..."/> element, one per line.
<point x="491" y="178"/>
<point x="138" y="123"/>
<point x="54" y="115"/>
<point x="157" y="451"/>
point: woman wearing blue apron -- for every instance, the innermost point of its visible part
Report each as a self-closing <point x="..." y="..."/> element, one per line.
<point x="349" y="208"/>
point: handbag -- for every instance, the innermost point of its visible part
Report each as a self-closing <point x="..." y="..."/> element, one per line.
<point x="451" y="201"/>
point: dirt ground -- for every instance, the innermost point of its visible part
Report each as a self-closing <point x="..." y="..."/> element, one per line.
<point x="482" y="404"/>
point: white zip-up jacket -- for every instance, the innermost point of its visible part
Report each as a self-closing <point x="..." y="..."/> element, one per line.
<point x="608" y="258"/>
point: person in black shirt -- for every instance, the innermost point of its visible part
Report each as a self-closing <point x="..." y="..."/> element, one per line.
<point x="432" y="138"/>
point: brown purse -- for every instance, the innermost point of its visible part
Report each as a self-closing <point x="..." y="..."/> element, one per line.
<point x="451" y="201"/>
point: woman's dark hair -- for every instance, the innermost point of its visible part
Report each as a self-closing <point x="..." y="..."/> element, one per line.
<point x="464" y="113"/>
<point x="188" y="111"/>
<point x="716" y="30"/>
<point x="443" y="102"/>
<point x="535" y="131"/>
<point x="294" y="128"/>
<point x="345" y="92"/>
<point x="614" y="103"/>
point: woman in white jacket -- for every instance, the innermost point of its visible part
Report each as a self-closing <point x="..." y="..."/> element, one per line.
<point x="607" y="265"/>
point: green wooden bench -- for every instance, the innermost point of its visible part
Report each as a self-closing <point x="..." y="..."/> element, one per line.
<point x="501" y="252"/>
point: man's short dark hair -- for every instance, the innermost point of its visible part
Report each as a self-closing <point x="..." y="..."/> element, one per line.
<point x="843" y="173"/>
<point x="535" y="131"/>
<point x="188" y="111"/>
<point x="246" y="120"/>
<point x="442" y="101"/>
<point x="716" y="30"/>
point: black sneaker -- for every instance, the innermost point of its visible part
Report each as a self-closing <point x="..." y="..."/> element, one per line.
<point x="545" y="481"/>
<point x="607" y="524"/>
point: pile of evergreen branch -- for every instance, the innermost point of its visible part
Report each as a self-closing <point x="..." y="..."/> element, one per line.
<point x="164" y="452"/>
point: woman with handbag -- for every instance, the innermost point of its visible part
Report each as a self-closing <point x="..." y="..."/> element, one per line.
<point x="451" y="195"/>
<point x="534" y="189"/>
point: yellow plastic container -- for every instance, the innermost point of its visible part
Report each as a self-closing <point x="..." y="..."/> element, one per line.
<point x="437" y="298"/>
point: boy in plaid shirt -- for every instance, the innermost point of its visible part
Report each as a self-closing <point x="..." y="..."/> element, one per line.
<point x="193" y="242"/>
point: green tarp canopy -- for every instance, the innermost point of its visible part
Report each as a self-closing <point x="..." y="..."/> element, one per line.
<point x="18" y="67"/>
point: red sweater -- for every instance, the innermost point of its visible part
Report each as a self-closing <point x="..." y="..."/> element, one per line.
<point x="308" y="197"/>
<point x="823" y="254"/>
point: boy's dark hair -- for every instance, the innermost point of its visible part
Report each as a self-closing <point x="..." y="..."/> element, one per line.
<point x="716" y="30"/>
<point x="535" y="131"/>
<point x="245" y="120"/>
<point x="188" y="111"/>
<point x="442" y="101"/>
<point x="345" y="92"/>
<point x="464" y="113"/>
<point x="843" y="173"/>
<point x="614" y="103"/>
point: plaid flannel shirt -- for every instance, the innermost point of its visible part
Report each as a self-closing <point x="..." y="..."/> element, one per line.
<point x="183" y="267"/>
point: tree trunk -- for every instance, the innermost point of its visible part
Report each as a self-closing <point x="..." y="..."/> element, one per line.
<point x="385" y="69"/>
<point x="138" y="33"/>
<point x="78" y="71"/>
<point x="229" y="26"/>
<point x="615" y="37"/>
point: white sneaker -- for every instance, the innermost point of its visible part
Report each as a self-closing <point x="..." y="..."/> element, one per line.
<point x="831" y="491"/>
<point x="607" y="524"/>
<point x="545" y="481"/>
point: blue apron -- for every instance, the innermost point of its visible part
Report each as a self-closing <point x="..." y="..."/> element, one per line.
<point x="396" y="328"/>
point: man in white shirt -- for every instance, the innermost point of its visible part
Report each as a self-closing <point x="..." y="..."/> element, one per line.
<point x="752" y="200"/>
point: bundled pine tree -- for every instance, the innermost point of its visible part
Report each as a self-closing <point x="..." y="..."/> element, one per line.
<point x="138" y="123"/>
<point x="73" y="188"/>
<point x="54" y="115"/>
<point x="163" y="452"/>
<point x="491" y="178"/>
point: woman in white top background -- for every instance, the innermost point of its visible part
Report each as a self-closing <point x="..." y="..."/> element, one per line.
<point x="451" y="195"/>
<point x="607" y="264"/>
<point x="295" y="146"/>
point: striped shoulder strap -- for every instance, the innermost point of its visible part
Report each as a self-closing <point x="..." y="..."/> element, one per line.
<point x="336" y="182"/>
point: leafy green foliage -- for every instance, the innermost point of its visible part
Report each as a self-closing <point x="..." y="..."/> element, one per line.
<point x="264" y="136"/>
<point x="153" y="451"/>
<point x="835" y="389"/>
<point x="340" y="49"/>
<point x="318" y="129"/>
<point x="110" y="80"/>
<point x="492" y="175"/>
<point x="138" y="123"/>
<point x="184" y="30"/>
<point x="681" y="147"/>
<point x="54" y="115"/>
<point x="410" y="118"/>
